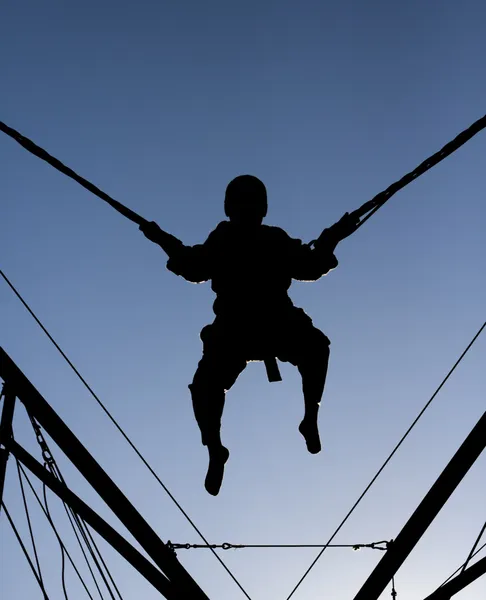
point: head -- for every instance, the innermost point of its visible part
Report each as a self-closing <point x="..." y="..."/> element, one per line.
<point x="245" y="201"/>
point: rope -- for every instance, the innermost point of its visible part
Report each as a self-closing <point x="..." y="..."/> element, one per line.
<point x="20" y="472"/>
<point x="24" y="549"/>
<point x="57" y="164"/>
<point x="74" y="519"/>
<point x="70" y="516"/>
<point x="82" y="550"/>
<point x="49" y="462"/>
<point x="226" y="546"/>
<point x="27" y="514"/>
<point x="471" y="554"/>
<point x="48" y="517"/>
<point x="62" y="546"/>
<point x="76" y="534"/>
<point x="90" y="543"/>
<point x="76" y="522"/>
<point x="381" y="469"/>
<point x="372" y="205"/>
<point x="125" y="436"/>
<point x="380" y="199"/>
<point x="459" y="568"/>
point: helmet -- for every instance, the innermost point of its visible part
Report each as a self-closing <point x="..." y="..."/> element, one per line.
<point x="247" y="195"/>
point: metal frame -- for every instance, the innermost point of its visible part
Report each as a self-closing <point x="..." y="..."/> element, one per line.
<point x="170" y="578"/>
<point x="426" y="512"/>
<point x="6" y="432"/>
<point x="452" y="587"/>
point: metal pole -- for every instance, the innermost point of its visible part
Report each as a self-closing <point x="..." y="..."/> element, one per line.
<point x="163" y="557"/>
<point x="106" y="531"/>
<point x="462" y="580"/>
<point x="425" y="513"/>
<point x="5" y="433"/>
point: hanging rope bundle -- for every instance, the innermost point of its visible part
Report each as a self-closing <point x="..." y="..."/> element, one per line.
<point x="99" y="571"/>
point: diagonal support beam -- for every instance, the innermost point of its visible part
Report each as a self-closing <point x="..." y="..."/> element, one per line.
<point x="425" y="513"/>
<point x="462" y="580"/>
<point x="5" y="432"/>
<point x="36" y="405"/>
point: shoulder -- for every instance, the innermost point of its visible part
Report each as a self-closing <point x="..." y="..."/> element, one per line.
<point x="219" y="233"/>
<point x="280" y="236"/>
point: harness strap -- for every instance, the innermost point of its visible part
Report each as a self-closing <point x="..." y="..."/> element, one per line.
<point x="271" y="366"/>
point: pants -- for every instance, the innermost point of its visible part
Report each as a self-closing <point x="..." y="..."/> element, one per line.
<point x="230" y="343"/>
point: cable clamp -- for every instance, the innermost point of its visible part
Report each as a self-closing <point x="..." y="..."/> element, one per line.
<point x="383" y="545"/>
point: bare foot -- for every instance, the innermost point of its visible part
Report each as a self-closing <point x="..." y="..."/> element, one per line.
<point x="214" y="477"/>
<point x="311" y="435"/>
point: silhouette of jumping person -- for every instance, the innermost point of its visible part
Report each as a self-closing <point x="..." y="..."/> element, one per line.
<point x="251" y="267"/>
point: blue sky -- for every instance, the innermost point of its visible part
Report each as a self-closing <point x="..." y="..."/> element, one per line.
<point x="161" y="104"/>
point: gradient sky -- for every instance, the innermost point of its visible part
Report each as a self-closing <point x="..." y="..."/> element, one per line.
<point x="161" y="104"/>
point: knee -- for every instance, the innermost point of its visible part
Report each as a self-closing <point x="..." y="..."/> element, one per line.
<point x="215" y="375"/>
<point x="319" y="344"/>
<point x="204" y="376"/>
<point x="205" y="380"/>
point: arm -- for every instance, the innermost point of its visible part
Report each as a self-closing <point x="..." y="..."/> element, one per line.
<point x="310" y="264"/>
<point x="312" y="261"/>
<point x="346" y="225"/>
<point x="331" y="236"/>
<point x="169" y="244"/>
<point x="190" y="262"/>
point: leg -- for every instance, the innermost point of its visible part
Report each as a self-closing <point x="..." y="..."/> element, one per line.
<point x="216" y="373"/>
<point x="208" y="397"/>
<point x="307" y="348"/>
<point x="313" y="369"/>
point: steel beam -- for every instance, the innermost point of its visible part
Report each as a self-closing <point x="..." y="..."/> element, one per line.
<point x="452" y="587"/>
<point x="425" y="513"/>
<point x="5" y="432"/>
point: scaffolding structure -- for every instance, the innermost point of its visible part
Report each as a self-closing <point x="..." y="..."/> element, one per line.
<point x="167" y="575"/>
